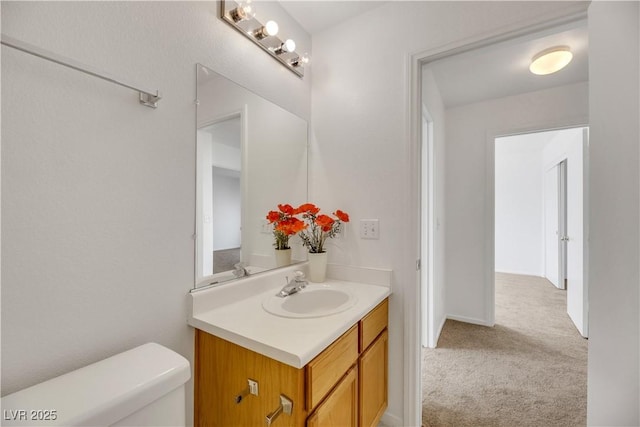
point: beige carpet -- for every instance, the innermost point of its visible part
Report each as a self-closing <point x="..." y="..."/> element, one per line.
<point x="528" y="370"/>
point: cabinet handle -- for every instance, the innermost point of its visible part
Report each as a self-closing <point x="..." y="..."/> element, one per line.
<point x="286" y="406"/>
<point x="238" y="397"/>
<point x="252" y="388"/>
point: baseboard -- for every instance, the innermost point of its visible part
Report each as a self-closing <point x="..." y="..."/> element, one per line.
<point x="521" y="273"/>
<point x="437" y="337"/>
<point x="471" y="320"/>
<point x="390" y="420"/>
<point x="432" y="342"/>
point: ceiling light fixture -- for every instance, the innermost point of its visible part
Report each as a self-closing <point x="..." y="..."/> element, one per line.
<point x="550" y="60"/>
<point x="241" y="16"/>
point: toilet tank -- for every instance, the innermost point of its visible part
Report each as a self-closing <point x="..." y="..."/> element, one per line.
<point x="144" y="386"/>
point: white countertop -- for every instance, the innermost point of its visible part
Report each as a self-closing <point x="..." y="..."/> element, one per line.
<point x="234" y="312"/>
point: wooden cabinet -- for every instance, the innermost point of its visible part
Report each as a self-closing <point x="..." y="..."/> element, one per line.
<point x="221" y="373"/>
<point x="324" y="372"/>
<point x="340" y="408"/>
<point x="373" y="381"/>
<point x="345" y="385"/>
<point x="373" y="324"/>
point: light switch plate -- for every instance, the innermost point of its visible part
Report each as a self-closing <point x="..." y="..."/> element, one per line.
<point x="266" y="227"/>
<point x="369" y="229"/>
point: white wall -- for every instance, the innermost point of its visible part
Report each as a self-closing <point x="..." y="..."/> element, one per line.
<point x="360" y="158"/>
<point x="470" y="140"/>
<point x="433" y="102"/>
<point x="519" y="203"/>
<point x="226" y="157"/>
<point x="204" y="204"/>
<point x="560" y="146"/>
<point x="98" y="191"/>
<point x="227" y="208"/>
<point x="227" y="192"/>
<point x="613" y="396"/>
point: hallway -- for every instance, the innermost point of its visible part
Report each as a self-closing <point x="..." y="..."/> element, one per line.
<point x="528" y="370"/>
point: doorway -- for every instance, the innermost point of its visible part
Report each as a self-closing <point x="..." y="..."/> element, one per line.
<point x="469" y="271"/>
<point x="541" y="185"/>
<point x="219" y="203"/>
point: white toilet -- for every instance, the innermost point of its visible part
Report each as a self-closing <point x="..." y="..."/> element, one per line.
<point x="144" y="386"/>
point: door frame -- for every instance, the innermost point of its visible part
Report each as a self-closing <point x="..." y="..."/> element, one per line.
<point x="412" y="333"/>
<point x="557" y="167"/>
<point x="427" y="228"/>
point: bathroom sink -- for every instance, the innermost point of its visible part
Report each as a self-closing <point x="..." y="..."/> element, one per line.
<point x="316" y="300"/>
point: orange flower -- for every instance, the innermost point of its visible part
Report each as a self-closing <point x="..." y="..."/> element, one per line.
<point x="273" y="216"/>
<point x="313" y="229"/>
<point x="308" y="207"/>
<point x="325" y="222"/>
<point x="286" y="208"/>
<point x="291" y="226"/>
<point x="285" y="224"/>
<point x="342" y="216"/>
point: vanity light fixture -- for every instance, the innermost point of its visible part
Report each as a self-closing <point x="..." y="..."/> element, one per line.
<point x="241" y="16"/>
<point x="550" y="60"/>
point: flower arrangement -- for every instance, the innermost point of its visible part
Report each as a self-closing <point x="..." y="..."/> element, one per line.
<point x="319" y="227"/>
<point x="285" y="225"/>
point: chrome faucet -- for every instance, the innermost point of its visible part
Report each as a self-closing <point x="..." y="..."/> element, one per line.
<point x="298" y="283"/>
<point x="240" y="270"/>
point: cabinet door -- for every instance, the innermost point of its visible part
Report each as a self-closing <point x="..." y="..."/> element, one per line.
<point x="373" y="323"/>
<point x="221" y="373"/>
<point x="324" y="372"/>
<point x="340" y="408"/>
<point x="373" y="381"/>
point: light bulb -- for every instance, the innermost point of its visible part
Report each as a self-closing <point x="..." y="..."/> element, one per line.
<point x="300" y="60"/>
<point x="271" y="28"/>
<point x="288" y="46"/>
<point x="268" y="29"/>
<point x="243" y="12"/>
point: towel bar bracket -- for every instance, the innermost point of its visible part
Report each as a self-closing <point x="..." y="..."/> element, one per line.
<point x="150" y="100"/>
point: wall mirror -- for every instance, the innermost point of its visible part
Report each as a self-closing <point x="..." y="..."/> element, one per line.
<point x="251" y="156"/>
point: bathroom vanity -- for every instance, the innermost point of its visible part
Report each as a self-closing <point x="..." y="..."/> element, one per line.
<point x="255" y="368"/>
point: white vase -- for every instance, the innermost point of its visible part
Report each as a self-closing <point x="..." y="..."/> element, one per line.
<point x="317" y="267"/>
<point x="283" y="257"/>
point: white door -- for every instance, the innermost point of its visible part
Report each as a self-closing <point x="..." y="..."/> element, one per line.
<point x="577" y="286"/>
<point x="551" y="227"/>
<point x="562" y="223"/>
